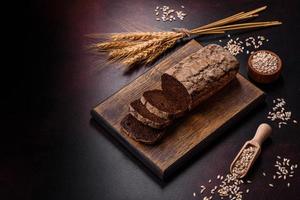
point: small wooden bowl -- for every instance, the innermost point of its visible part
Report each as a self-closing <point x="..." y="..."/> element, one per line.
<point x="261" y="77"/>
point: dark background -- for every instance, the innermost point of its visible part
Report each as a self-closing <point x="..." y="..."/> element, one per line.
<point x="51" y="149"/>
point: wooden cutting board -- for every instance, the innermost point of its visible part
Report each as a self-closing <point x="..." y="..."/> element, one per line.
<point x="189" y="134"/>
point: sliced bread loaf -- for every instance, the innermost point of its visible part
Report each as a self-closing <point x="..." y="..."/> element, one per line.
<point x="140" y="132"/>
<point x="201" y="74"/>
<point x="141" y="113"/>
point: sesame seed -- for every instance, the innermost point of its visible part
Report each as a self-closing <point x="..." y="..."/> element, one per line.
<point x="194" y="194"/>
<point x="271" y="185"/>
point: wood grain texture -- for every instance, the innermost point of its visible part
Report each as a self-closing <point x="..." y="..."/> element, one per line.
<point x="187" y="134"/>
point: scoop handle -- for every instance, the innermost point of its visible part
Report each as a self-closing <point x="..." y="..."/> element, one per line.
<point x="262" y="133"/>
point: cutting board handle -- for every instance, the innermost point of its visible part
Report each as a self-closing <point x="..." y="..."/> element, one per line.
<point x="262" y="133"/>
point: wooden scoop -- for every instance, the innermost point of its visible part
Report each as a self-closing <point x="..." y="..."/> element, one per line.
<point x="250" y="151"/>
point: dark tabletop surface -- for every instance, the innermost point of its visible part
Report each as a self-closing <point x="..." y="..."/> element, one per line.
<point x="50" y="147"/>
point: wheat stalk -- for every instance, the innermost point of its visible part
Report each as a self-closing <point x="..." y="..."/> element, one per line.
<point x="163" y="48"/>
<point x="133" y="36"/>
<point x="145" y="47"/>
<point x="106" y="46"/>
<point x="134" y="49"/>
<point x="140" y="57"/>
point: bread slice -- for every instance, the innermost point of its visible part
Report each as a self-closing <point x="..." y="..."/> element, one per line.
<point x="141" y="113"/>
<point x="163" y="105"/>
<point x="139" y="131"/>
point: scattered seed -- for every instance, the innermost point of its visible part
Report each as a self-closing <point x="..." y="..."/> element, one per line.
<point x="165" y="13"/>
<point x="203" y="188"/>
<point x="288" y="184"/>
<point x="279" y="113"/>
<point x="271" y="185"/>
<point x="194" y="194"/>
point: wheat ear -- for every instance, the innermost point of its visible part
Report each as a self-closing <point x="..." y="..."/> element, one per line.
<point x="105" y="46"/>
<point x="162" y="49"/>
<point x="133" y="50"/>
<point x="133" y="36"/>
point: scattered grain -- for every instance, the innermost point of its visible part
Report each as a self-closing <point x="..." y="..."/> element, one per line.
<point x="279" y="113"/>
<point x="234" y="46"/>
<point x="237" y="46"/>
<point x="165" y="13"/>
<point x="202" y="189"/>
<point x="284" y="168"/>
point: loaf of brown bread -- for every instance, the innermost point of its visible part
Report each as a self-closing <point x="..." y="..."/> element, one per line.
<point x="201" y="74"/>
<point x="184" y="86"/>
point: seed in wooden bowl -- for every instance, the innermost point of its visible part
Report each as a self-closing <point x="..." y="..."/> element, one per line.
<point x="264" y="62"/>
<point x="264" y="66"/>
